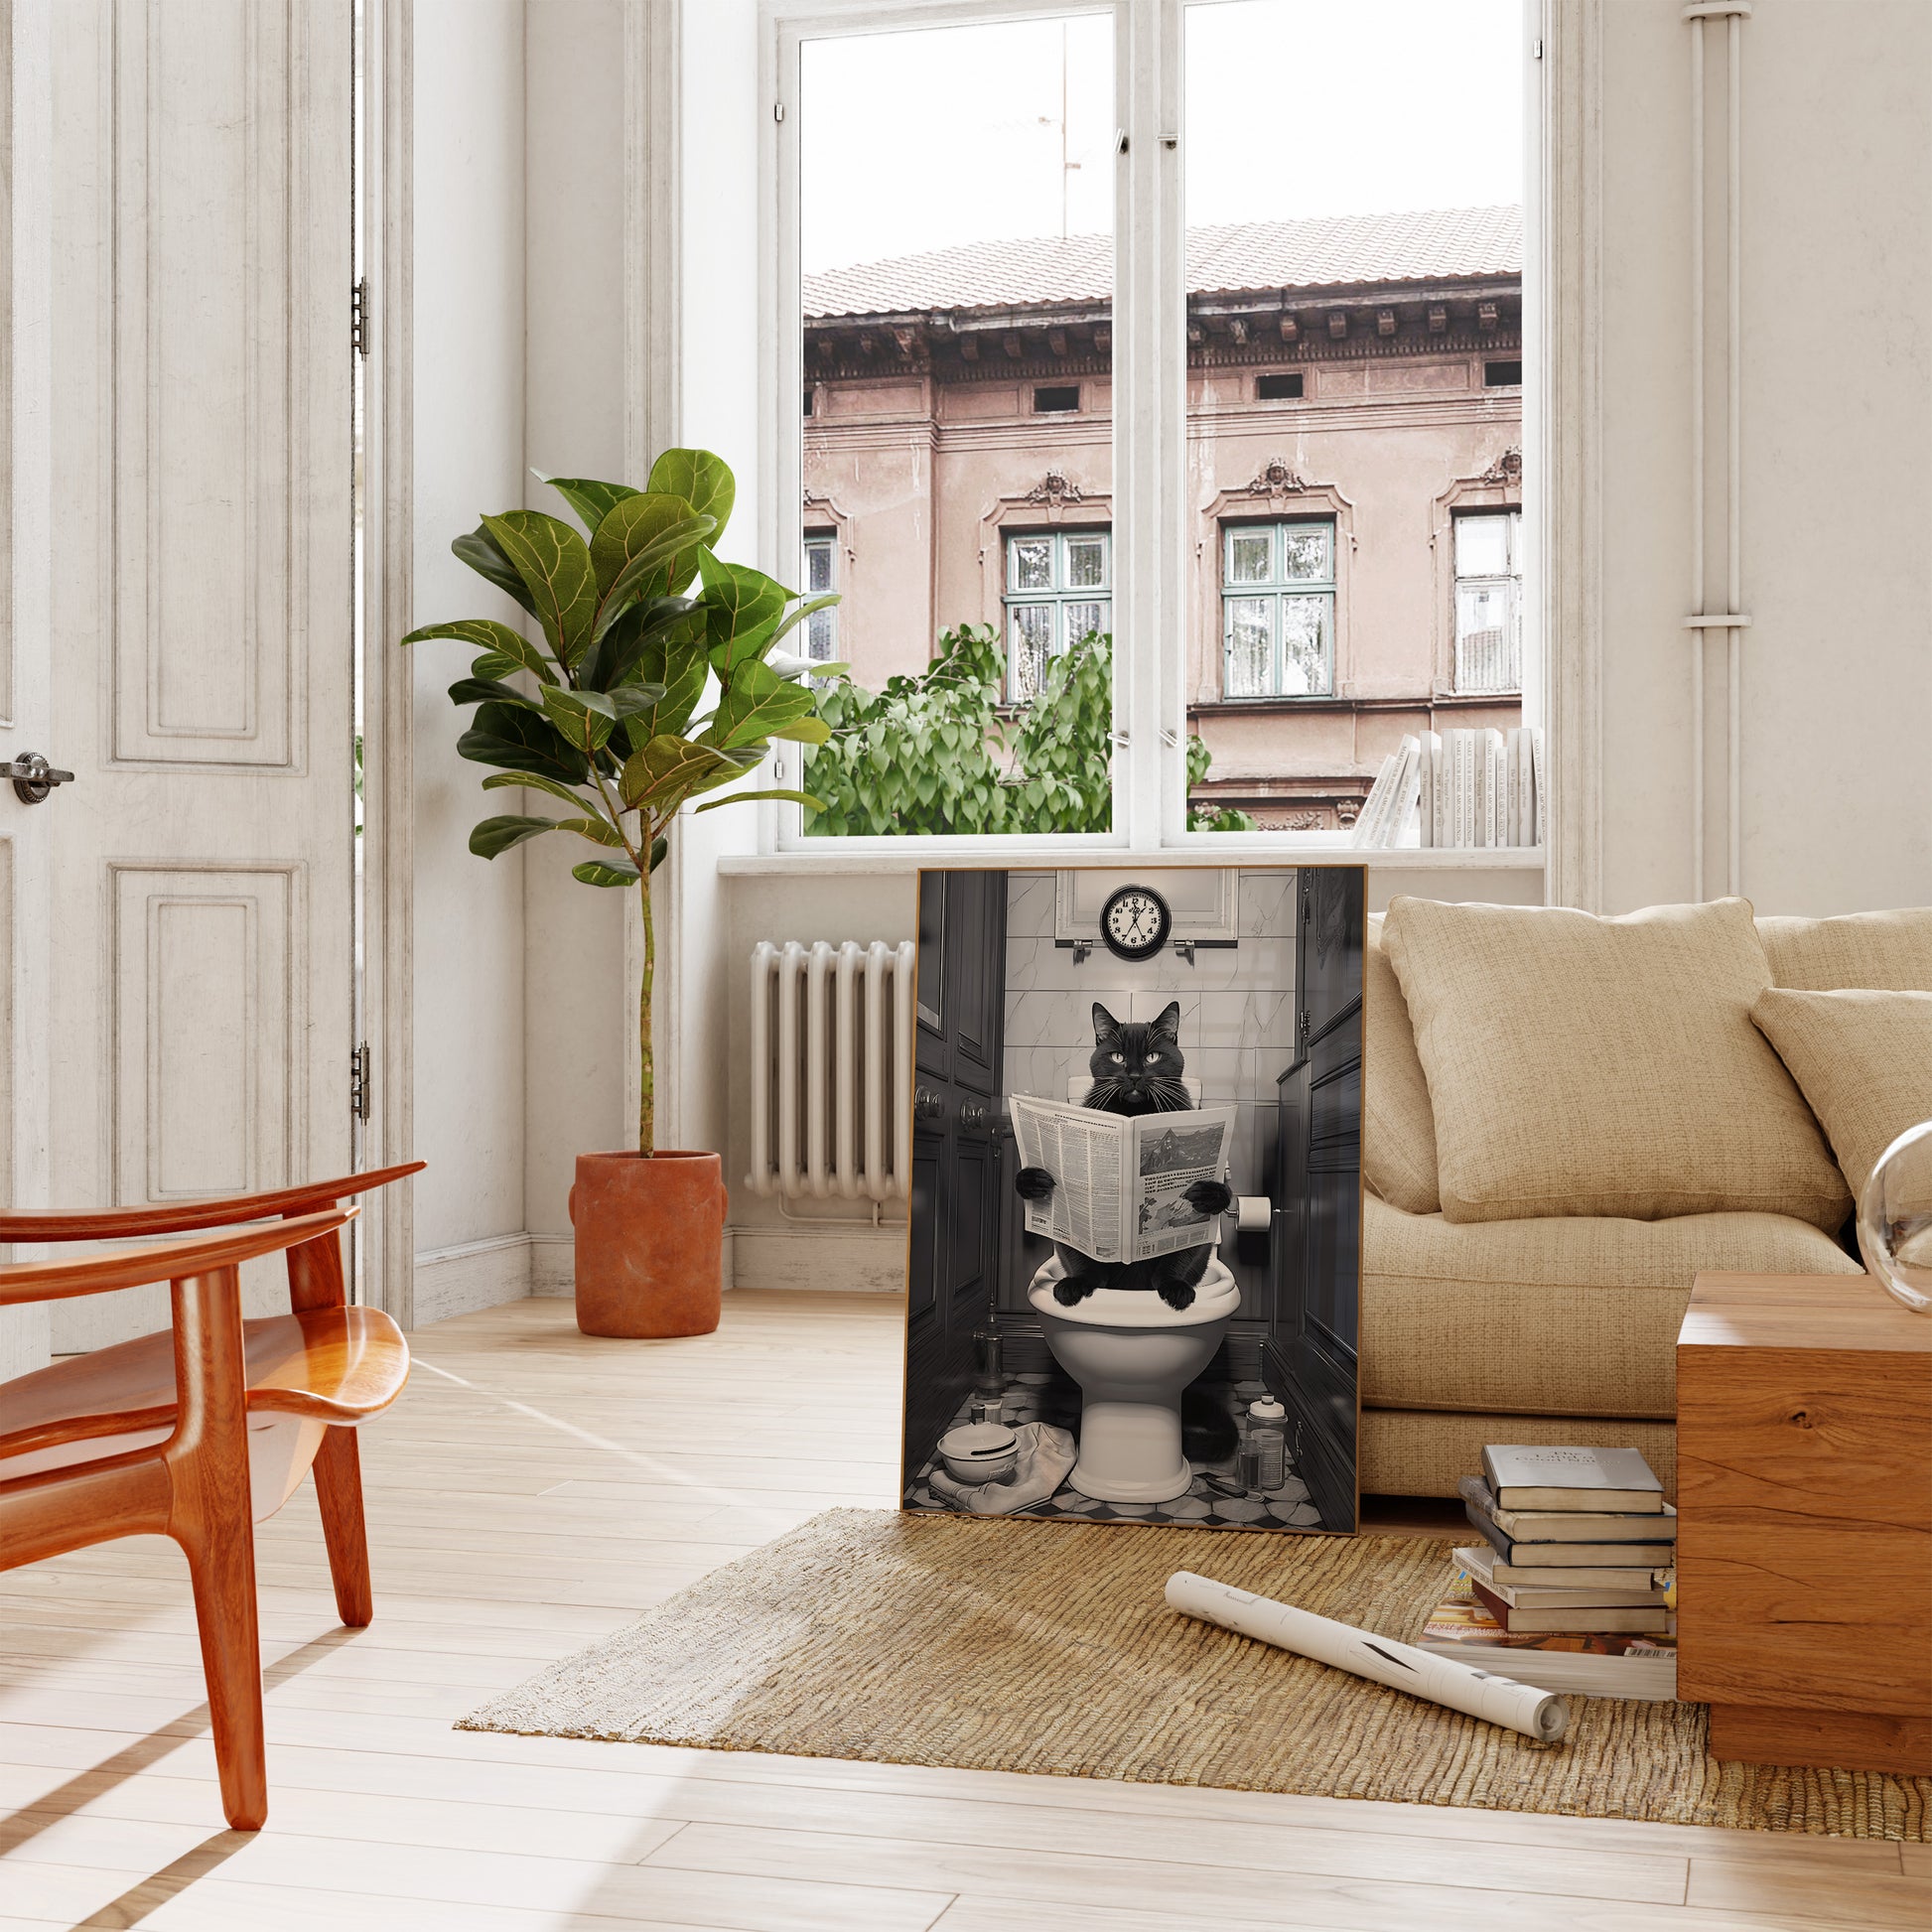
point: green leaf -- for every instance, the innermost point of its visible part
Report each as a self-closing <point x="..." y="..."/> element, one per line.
<point x="746" y="798"/>
<point x="606" y="871"/>
<point x="660" y="846"/>
<point x="646" y="574"/>
<point x="554" y="563"/>
<point x="592" y="501"/>
<point x="522" y="741"/>
<point x="670" y="656"/>
<point x="598" y="830"/>
<point x="496" y="835"/>
<point x="497" y="639"/>
<point x="755" y="704"/>
<point x="478" y="549"/>
<point x="634" y="527"/>
<point x="767" y="642"/>
<point x="741" y="610"/>
<point x="586" y="718"/>
<point x="704" y="481"/>
<point x="669" y="769"/>
<point x="538" y="782"/>
<point x="804" y="731"/>
<point x="487" y="690"/>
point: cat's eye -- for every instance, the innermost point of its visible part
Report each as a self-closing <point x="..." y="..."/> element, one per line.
<point x="1152" y="1057"/>
<point x="1119" y="1059"/>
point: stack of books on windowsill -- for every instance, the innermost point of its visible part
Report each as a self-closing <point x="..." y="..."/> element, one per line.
<point x="1575" y="1576"/>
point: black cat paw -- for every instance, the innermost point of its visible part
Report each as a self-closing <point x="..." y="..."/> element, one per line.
<point x="1032" y="1184"/>
<point x="1077" y="1288"/>
<point x="1209" y="1198"/>
<point x="1178" y="1295"/>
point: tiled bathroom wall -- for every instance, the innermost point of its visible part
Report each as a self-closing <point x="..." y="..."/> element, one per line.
<point x="1237" y="1005"/>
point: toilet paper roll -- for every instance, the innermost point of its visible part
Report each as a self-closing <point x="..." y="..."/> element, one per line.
<point x="1253" y="1213"/>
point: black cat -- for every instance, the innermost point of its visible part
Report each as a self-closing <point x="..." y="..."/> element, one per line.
<point x="1137" y="1067"/>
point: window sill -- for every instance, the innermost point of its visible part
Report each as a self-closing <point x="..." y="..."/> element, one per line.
<point x="1242" y="849"/>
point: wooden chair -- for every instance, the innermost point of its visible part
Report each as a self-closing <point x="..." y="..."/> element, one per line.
<point x="201" y="1432"/>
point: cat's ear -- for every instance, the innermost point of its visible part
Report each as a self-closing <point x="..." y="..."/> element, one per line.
<point x="1106" y="1029"/>
<point x="1169" y="1024"/>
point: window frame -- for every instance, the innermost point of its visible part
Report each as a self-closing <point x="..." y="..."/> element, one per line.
<point x="1059" y="595"/>
<point x="1510" y="580"/>
<point x="819" y="537"/>
<point x="1153" y="525"/>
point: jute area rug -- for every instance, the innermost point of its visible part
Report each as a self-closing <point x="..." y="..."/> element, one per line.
<point x="1004" y="1645"/>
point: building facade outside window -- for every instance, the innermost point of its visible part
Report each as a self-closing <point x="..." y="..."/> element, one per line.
<point x="1489" y="601"/>
<point x="1277" y="609"/>
<point x="821" y="575"/>
<point x="1058" y="591"/>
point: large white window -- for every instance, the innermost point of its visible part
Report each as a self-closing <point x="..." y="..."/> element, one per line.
<point x="1489" y="601"/>
<point x="1298" y="355"/>
<point x="1057" y="593"/>
<point x="1278" y="603"/>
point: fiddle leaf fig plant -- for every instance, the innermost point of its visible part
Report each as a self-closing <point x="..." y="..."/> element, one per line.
<point x="641" y="624"/>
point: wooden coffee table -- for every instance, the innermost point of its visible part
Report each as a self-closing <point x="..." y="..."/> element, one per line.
<point x="1804" y="1540"/>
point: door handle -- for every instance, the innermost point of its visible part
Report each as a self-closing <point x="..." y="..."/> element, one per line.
<point x="972" y="1115"/>
<point x="33" y="776"/>
<point x="927" y="1105"/>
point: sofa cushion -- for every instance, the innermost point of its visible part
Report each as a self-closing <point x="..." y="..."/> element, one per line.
<point x="1864" y="1060"/>
<point x="1563" y="1317"/>
<point x="1878" y="949"/>
<point x="1398" y="1129"/>
<point x="1585" y="1066"/>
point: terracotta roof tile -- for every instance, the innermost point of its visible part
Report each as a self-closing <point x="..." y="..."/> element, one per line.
<point x="1429" y="244"/>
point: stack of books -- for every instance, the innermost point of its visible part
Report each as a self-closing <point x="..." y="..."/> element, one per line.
<point x="1458" y="789"/>
<point x="1574" y="1575"/>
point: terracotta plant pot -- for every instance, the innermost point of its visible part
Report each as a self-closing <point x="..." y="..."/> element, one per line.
<point x="650" y="1242"/>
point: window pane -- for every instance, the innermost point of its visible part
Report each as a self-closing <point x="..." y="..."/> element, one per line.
<point x="1305" y="646"/>
<point x="821" y="636"/>
<point x="1030" y="645"/>
<point x="956" y="246"/>
<point x="1029" y="563"/>
<point x="1251" y="647"/>
<point x="1488" y="654"/>
<point x="1353" y="187"/>
<point x="1250" y="556"/>
<point x="1307" y="553"/>
<point x="818" y="567"/>
<point x="1481" y="546"/>
<point x="1086" y="563"/>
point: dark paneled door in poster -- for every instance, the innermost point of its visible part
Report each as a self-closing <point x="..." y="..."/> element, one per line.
<point x="1319" y="1222"/>
<point x="955" y="1148"/>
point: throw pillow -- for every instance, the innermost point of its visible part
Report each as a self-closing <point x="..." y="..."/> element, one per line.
<point x="1584" y="1065"/>
<point x="1875" y="949"/>
<point x="1398" y="1129"/>
<point x="1864" y="1061"/>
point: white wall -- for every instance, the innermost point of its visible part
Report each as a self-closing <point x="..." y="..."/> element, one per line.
<point x="1836" y="424"/>
<point x="470" y="982"/>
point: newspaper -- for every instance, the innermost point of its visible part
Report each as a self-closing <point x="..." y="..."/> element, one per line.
<point x="1119" y="1183"/>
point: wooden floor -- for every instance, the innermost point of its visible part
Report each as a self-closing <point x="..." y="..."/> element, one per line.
<point x="535" y="1489"/>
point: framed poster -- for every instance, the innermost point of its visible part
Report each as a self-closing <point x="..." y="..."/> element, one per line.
<point x="1134" y="1261"/>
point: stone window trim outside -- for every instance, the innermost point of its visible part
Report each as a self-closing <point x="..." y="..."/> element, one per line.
<point x="1060" y="580"/>
<point x="1498" y="489"/>
<point x="1277" y="496"/>
<point x="1058" y="502"/>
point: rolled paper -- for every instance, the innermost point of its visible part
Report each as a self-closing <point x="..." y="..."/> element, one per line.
<point x="1442" y="1680"/>
<point x="1253" y="1213"/>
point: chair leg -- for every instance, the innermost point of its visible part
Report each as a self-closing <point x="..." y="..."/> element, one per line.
<point x="222" y="1566"/>
<point x="339" y="1490"/>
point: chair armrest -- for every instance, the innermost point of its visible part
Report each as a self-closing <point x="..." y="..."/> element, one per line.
<point x="183" y="1217"/>
<point x="57" y="1280"/>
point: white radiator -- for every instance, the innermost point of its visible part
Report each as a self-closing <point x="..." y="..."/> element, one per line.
<point x="831" y="1069"/>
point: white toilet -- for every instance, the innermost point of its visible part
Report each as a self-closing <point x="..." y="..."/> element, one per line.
<point x="1132" y="1356"/>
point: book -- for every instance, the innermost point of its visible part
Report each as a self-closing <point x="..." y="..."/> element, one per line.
<point x="1582" y="1476"/>
<point x="1578" y="1618"/>
<point x="1401" y="821"/>
<point x="1368" y="820"/>
<point x="1568" y="1555"/>
<point x="1483" y="1562"/>
<point x="1429" y="757"/>
<point x="1462" y="787"/>
<point x="1536" y="785"/>
<point x="1568" y="1525"/>
<point x="1639" y="1667"/>
<point x="1541" y="1597"/>
<point x="1494" y="760"/>
<point x="1121" y="1182"/>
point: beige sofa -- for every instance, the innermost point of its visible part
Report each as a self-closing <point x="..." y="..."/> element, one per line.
<point x="1560" y="1329"/>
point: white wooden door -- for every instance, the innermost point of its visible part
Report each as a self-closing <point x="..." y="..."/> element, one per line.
<point x="200" y="1007"/>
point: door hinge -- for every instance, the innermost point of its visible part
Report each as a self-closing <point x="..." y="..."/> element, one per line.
<point x="779" y="111"/>
<point x="1302" y="1027"/>
<point x="358" y="318"/>
<point x="360" y="1083"/>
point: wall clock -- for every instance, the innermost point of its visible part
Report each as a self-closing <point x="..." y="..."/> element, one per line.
<point x="1134" y="922"/>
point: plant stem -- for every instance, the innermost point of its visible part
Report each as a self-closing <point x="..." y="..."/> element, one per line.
<point x="646" y="1065"/>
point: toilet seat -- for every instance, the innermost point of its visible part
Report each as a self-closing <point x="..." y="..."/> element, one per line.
<point x="1216" y="1293"/>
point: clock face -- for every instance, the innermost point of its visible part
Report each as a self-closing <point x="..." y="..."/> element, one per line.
<point x="1134" y="922"/>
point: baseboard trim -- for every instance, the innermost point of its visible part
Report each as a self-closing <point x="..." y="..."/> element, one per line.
<point x="553" y="1264"/>
<point x="865" y="1260"/>
<point x="473" y="1275"/>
